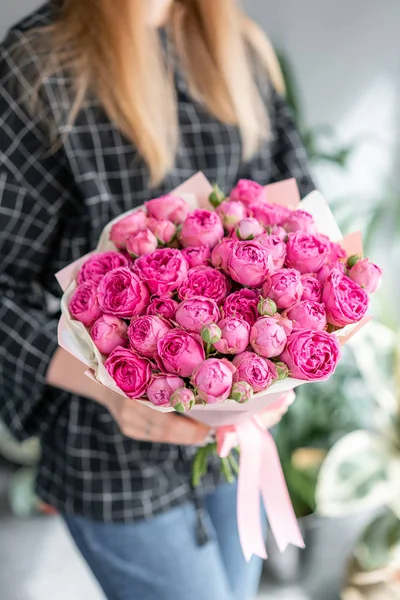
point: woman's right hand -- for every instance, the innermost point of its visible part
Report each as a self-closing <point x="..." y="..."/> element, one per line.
<point x="142" y="423"/>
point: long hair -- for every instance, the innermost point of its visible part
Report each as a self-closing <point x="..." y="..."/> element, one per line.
<point x="112" y="52"/>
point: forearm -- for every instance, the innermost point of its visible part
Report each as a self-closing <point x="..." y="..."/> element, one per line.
<point x="68" y="373"/>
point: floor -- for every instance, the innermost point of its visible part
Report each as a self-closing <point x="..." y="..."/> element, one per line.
<point x="39" y="562"/>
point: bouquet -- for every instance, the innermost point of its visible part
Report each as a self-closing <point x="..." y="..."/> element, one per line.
<point x="218" y="307"/>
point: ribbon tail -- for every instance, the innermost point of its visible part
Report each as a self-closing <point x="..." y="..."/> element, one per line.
<point x="248" y="502"/>
<point x="278" y="504"/>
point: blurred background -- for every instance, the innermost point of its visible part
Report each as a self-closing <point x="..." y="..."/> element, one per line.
<point x="340" y="442"/>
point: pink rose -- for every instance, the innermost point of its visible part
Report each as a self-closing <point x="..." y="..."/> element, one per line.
<point x="141" y="243"/>
<point x="367" y="275"/>
<point x="163" y="230"/>
<point x="221" y="253"/>
<point x="247" y="191"/>
<point x="235" y="335"/>
<point x="337" y="253"/>
<point x="231" y="213"/>
<point x="212" y="380"/>
<point x="182" y="400"/>
<point x="168" y="208"/>
<point x="248" y="229"/>
<point x="163" y="271"/>
<point x="242" y="392"/>
<point x="307" y="315"/>
<point x="180" y="352"/>
<point x="162" y="387"/>
<point x="311" y="355"/>
<point x="207" y="282"/>
<point x="300" y="220"/>
<point x="120" y="231"/>
<point x="197" y="256"/>
<point x="269" y="214"/>
<point x="144" y="334"/>
<point x="306" y="252"/>
<point x="130" y="372"/>
<point x="345" y="300"/>
<point x="276" y="248"/>
<point x="312" y="288"/>
<point x="243" y="305"/>
<point x="193" y="314"/>
<point x="284" y="287"/>
<point x="278" y="231"/>
<point x="122" y="294"/>
<point x="99" y="264"/>
<point x="258" y="372"/>
<point x="162" y="307"/>
<point x="84" y="306"/>
<point x="325" y="271"/>
<point x="202" y="228"/>
<point x="268" y="337"/>
<point x="249" y="263"/>
<point x="108" y="332"/>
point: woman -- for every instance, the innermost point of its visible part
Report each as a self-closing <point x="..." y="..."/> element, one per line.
<point x="104" y="105"/>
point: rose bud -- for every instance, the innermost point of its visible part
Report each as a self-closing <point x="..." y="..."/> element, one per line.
<point x="211" y="334"/>
<point x="162" y="387"/>
<point x="248" y="229"/>
<point x="212" y="380"/>
<point x="98" y="265"/>
<point x="163" y="271"/>
<point x="130" y="372"/>
<point x="258" y="372"/>
<point x="266" y="307"/>
<point x="217" y="196"/>
<point x="312" y="288"/>
<point x="235" y="334"/>
<point x="268" y="337"/>
<point x="144" y="334"/>
<point x="242" y="392"/>
<point x="127" y="226"/>
<point x="182" y="400"/>
<point x="202" y="227"/>
<point x="367" y="275"/>
<point x="122" y="294"/>
<point x="84" y="306"/>
<point x="180" y="352"/>
<point x="284" y="287"/>
<point x="231" y="213"/>
<point x="306" y="252"/>
<point x="197" y="312"/>
<point x="345" y="300"/>
<point x="168" y="208"/>
<point x="197" y="256"/>
<point x="243" y="305"/>
<point x="278" y="231"/>
<point x="249" y="263"/>
<point x="300" y="220"/>
<point x="162" y="307"/>
<point x="108" y="332"/>
<point x="311" y="355"/>
<point x="276" y="248"/>
<point x="282" y="370"/>
<point x="206" y="282"/>
<point x="141" y="243"/>
<point x="307" y="315"/>
<point x="221" y="253"/>
<point x="163" y="230"/>
<point x="269" y="214"/>
<point x="248" y="191"/>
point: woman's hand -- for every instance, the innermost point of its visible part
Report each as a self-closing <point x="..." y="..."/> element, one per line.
<point x="145" y="424"/>
<point x="274" y="415"/>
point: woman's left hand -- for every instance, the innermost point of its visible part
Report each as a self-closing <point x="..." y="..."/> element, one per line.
<point x="273" y="416"/>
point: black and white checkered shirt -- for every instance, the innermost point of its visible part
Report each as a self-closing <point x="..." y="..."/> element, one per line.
<point x="53" y="207"/>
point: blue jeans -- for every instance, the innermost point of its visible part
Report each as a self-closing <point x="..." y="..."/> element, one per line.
<point x="159" y="559"/>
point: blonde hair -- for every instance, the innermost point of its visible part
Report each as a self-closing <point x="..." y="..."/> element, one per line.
<point x="111" y="51"/>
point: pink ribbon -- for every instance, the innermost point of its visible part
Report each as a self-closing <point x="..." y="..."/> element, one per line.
<point x="260" y="475"/>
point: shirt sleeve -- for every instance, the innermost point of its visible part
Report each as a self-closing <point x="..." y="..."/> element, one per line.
<point x="289" y="156"/>
<point x="31" y="201"/>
